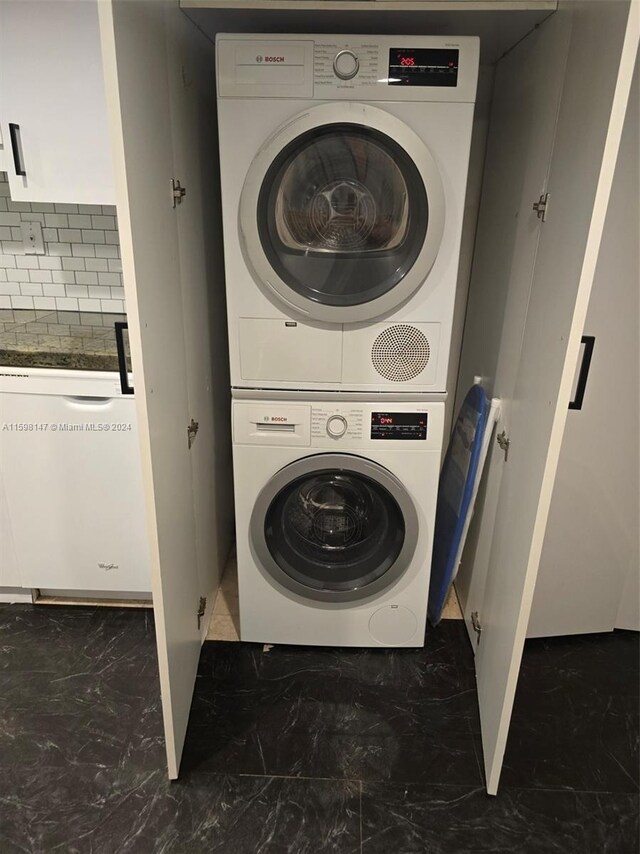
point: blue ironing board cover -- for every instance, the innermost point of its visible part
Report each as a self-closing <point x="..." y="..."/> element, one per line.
<point x="455" y="492"/>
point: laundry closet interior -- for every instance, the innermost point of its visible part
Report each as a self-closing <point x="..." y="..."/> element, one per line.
<point x="553" y="86"/>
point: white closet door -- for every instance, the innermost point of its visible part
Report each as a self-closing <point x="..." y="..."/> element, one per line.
<point x="192" y="92"/>
<point x="134" y="44"/>
<point x="600" y="60"/>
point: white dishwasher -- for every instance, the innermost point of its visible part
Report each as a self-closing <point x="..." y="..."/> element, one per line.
<point x="70" y="462"/>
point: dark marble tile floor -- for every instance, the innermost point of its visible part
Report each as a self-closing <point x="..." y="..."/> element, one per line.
<point x="305" y="750"/>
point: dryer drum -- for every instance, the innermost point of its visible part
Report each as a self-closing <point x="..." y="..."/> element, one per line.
<point x="342" y="214"/>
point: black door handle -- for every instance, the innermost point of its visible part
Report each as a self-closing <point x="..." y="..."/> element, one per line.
<point x="120" y="326"/>
<point x="16" y="147"/>
<point x="589" y="342"/>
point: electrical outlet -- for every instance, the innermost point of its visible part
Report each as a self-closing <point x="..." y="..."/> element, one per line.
<point x="32" y="239"/>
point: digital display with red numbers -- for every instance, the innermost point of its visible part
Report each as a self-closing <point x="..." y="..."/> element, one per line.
<point x="398" y="425"/>
<point x="423" y="66"/>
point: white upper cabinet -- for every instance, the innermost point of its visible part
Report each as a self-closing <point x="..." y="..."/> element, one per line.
<point x="52" y="103"/>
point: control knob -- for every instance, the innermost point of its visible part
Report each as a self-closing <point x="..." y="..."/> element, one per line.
<point x="336" y="426"/>
<point x="346" y="64"/>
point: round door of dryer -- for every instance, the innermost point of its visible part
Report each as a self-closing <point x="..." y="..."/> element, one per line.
<point x="334" y="528"/>
<point x="342" y="213"/>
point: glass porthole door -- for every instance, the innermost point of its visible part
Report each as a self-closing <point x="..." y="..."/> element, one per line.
<point x="334" y="527"/>
<point x="342" y="213"/>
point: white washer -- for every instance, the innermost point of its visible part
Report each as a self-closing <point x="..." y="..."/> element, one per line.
<point x="335" y="507"/>
<point x="344" y="166"/>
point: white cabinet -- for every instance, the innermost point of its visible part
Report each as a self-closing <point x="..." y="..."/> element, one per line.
<point x="590" y="561"/>
<point x="52" y="102"/>
<point x="73" y="482"/>
<point x="159" y="74"/>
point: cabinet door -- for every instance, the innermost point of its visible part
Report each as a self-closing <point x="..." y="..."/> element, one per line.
<point x="52" y="89"/>
<point x="175" y="377"/>
<point x="599" y="68"/>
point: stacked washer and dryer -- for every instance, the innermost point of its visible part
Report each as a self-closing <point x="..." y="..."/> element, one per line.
<point x="344" y="166"/>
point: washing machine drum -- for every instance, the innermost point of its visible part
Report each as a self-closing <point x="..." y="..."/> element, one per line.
<point x="342" y="220"/>
<point x="334" y="527"/>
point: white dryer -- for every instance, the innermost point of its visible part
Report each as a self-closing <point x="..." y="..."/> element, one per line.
<point x="344" y="166"/>
<point x="335" y="507"/>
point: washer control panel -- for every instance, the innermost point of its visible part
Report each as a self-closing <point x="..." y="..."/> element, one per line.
<point x="338" y="64"/>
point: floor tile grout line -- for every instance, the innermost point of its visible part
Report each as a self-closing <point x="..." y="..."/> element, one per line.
<point x="360" y="804"/>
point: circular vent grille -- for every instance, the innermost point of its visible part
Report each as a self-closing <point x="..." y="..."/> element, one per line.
<point x="400" y="353"/>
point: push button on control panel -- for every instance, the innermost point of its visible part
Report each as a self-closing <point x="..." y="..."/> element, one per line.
<point x="346" y="64"/>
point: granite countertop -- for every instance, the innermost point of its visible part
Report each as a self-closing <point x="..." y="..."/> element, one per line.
<point x="74" y="340"/>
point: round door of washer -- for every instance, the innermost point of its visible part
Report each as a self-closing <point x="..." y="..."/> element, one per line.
<point x="342" y="213"/>
<point x="334" y="528"/>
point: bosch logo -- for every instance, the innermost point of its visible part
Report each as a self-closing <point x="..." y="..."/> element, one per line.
<point x="258" y="58"/>
<point x="278" y="418"/>
<point x="274" y="59"/>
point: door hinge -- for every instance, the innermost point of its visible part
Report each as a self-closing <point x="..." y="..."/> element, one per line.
<point x="542" y="206"/>
<point x="202" y="607"/>
<point x="475" y="622"/>
<point x="504" y="443"/>
<point x="177" y="192"/>
<point x="192" y="432"/>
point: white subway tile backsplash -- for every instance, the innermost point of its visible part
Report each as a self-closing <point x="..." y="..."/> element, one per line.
<point x="66" y="208"/>
<point x="64" y="277"/>
<point x="89" y="304"/>
<point x="44" y="302"/>
<point x="87" y="278"/>
<point x="92" y="236"/>
<point x="73" y="264"/>
<point x="10" y="219"/>
<point x="110" y="305"/>
<point x="54" y="290"/>
<point x="112" y="279"/>
<point x="83" y="250"/>
<point x="33" y="217"/>
<point x="27" y="262"/>
<point x="106" y="251"/>
<point x="103" y="222"/>
<point x="22" y="302"/>
<point x="20" y="207"/>
<point x="79" y="221"/>
<point x="9" y="289"/>
<point x="81" y="245"/>
<point x="40" y="275"/>
<point x="49" y="262"/>
<point x="59" y="248"/>
<point x="66" y="304"/>
<point x="56" y="220"/>
<point x="77" y="291"/>
<point x="98" y="265"/>
<point x="31" y="289"/>
<point x="70" y="235"/>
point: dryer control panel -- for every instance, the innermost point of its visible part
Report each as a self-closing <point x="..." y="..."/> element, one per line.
<point x="348" y="67"/>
